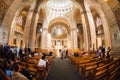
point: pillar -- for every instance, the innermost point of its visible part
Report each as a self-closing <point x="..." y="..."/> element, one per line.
<point x="27" y="28"/>
<point x="74" y="38"/>
<point x="33" y="27"/>
<point x="86" y="44"/>
<point x="44" y="38"/>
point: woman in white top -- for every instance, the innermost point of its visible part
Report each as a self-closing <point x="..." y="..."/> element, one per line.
<point x="42" y="67"/>
<point x="42" y="62"/>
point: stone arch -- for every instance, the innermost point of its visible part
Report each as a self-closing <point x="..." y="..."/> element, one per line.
<point x="95" y="5"/>
<point x="42" y="15"/>
<point x="9" y="22"/>
<point x="77" y="16"/>
<point x="100" y="37"/>
<point x="14" y="24"/>
<point x="61" y="21"/>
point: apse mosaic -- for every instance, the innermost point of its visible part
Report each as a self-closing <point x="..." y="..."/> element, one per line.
<point x="59" y="32"/>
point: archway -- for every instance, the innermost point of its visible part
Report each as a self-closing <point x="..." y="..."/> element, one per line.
<point x="100" y="37"/>
<point x="59" y="33"/>
<point x="17" y="30"/>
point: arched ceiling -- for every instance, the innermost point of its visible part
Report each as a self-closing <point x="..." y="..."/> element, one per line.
<point x="42" y="15"/>
<point x="58" y="23"/>
<point x="77" y="15"/>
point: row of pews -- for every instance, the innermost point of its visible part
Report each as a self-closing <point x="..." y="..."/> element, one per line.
<point x="94" y="68"/>
<point x="37" y="73"/>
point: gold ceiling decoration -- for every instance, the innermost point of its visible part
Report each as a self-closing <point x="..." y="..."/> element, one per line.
<point x="59" y="23"/>
<point x="59" y="32"/>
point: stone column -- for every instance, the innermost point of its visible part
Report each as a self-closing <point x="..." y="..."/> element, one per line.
<point x="44" y="38"/>
<point x="33" y="28"/>
<point x="74" y="38"/>
<point x="106" y="32"/>
<point x="85" y="24"/>
<point x="48" y="41"/>
<point x="27" y="28"/>
<point x="92" y="29"/>
<point x="69" y="42"/>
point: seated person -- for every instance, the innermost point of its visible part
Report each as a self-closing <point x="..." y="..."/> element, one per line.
<point x="26" y="73"/>
<point x="42" y="66"/>
<point x="50" y="54"/>
<point x="3" y="76"/>
<point x="76" y="54"/>
<point x="42" y="62"/>
<point x="16" y="75"/>
<point x="7" y="68"/>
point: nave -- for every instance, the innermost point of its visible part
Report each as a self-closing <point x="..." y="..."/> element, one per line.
<point x="62" y="69"/>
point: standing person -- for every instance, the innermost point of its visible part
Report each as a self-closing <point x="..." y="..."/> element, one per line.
<point x="21" y="52"/>
<point x="10" y="55"/>
<point x="1" y="51"/>
<point x="18" y="49"/>
<point x="108" y="52"/>
<point x="103" y="51"/>
<point x="66" y="56"/>
<point x="97" y="53"/>
<point x="62" y="54"/>
<point x="100" y="51"/>
<point x="6" y="48"/>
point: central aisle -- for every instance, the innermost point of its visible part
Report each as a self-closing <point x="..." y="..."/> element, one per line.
<point x="62" y="69"/>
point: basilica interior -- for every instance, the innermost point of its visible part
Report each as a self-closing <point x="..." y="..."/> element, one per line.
<point x="73" y="31"/>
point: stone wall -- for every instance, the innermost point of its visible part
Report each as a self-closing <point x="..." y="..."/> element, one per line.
<point x="7" y="21"/>
<point x="13" y="7"/>
<point x="115" y="27"/>
<point x="109" y="7"/>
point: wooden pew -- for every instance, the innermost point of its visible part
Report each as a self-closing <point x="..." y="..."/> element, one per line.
<point x="101" y="72"/>
<point x="88" y="70"/>
<point x="114" y="69"/>
<point x="108" y="71"/>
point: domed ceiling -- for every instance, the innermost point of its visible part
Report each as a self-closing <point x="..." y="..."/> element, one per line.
<point x="59" y="6"/>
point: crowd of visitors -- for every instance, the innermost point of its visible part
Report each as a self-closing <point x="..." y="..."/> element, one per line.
<point x="103" y="52"/>
<point x="10" y="58"/>
<point x="9" y="63"/>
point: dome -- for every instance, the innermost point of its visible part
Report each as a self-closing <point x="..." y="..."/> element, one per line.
<point x="60" y="6"/>
<point x="60" y="3"/>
